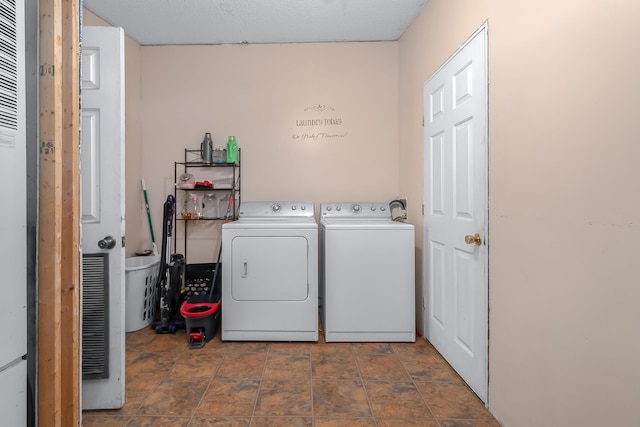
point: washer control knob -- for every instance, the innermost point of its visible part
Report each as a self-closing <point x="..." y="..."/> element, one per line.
<point x="293" y="208"/>
<point x="303" y="207"/>
<point x="328" y="208"/>
<point x="355" y="208"/>
<point x="382" y="208"/>
<point x="338" y="208"/>
<point x="276" y="207"/>
<point x="373" y="208"/>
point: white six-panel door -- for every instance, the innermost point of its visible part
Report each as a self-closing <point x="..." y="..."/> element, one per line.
<point x="102" y="207"/>
<point x="455" y="208"/>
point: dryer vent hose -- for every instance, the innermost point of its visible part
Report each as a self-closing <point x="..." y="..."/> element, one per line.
<point x="398" y="210"/>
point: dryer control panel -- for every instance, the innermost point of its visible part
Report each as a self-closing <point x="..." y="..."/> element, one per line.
<point x="276" y="209"/>
<point x="374" y="210"/>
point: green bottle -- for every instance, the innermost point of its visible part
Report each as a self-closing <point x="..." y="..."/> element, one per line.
<point x="232" y="150"/>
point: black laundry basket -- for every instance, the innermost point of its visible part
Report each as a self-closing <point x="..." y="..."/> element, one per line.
<point x="198" y="278"/>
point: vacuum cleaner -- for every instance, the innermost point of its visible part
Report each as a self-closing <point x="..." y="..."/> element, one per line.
<point x="170" y="278"/>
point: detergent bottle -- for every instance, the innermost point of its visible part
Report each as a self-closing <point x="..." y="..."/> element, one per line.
<point x="232" y="150"/>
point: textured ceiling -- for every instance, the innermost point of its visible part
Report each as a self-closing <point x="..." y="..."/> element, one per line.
<point x="162" y="22"/>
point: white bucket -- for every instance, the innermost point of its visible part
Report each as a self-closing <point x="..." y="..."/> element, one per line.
<point x="141" y="273"/>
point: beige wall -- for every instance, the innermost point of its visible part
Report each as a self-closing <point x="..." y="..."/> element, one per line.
<point x="258" y="93"/>
<point x="564" y="207"/>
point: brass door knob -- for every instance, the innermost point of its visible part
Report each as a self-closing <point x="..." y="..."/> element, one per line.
<point x="469" y="239"/>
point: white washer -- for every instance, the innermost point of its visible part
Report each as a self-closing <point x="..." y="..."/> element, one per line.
<point x="270" y="273"/>
<point x="367" y="274"/>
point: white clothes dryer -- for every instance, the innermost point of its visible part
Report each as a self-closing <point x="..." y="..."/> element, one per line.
<point x="367" y="274"/>
<point x="270" y="273"/>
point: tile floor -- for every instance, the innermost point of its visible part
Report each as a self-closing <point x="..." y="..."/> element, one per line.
<point x="289" y="384"/>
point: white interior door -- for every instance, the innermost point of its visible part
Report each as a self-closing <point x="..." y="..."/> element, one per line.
<point x="102" y="207"/>
<point x="455" y="175"/>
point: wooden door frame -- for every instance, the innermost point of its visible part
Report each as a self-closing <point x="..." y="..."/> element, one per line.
<point x="58" y="263"/>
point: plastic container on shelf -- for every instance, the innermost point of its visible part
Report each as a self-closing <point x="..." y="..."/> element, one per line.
<point x="219" y="155"/>
<point x="191" y="206"/>
<point x="141" y="273"/>
<point x="210" y="206"/>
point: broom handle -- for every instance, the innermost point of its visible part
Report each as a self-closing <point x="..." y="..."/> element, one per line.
<point x="146" y="204"/>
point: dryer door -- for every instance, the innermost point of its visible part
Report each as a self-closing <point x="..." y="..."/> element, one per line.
<point x="269" y="268"/>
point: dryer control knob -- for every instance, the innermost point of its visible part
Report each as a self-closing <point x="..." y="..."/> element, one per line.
<point x="276" y="207"/>
<point x="293" y="208"/>
<point x="303" y="207"/>
<point x="373" y="208"/>
<point x="382" y="208"/>
<point x="355" y="208"/>
<point x="328" y="208"/>
<point x="338" y="208"/>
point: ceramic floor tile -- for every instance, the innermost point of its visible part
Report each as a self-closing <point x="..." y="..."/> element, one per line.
<point x="364" y="348"/>
<point x="130" y="356"/>
<point x="287" y="366"/>
<point x="174" y="397"/>
<point x="241" y="384"/>
<point x="341" y="365"/>
<point x="407" y="422"/>
<point x="281" y="422"/>
<point x="137" y="340"/>
<point x="244" y="346"/>
<point x="334" y="347"/>
<point x="469" y="423"/>
<point x="136" y="391"/>
<point x="340" y="398"/>
<point x="431" y="368"/>
<point x="220" y="422"/>
<point x="284" y="398"/>
<point x="194" y="364"/>
<point x="421" y="346"/>
<point x="452" y="401"/>
<point x="150" y="366"/>
<point x="170" y="343"/>
<point x="393" y="399"/>
<point x="229" y="398"/>
<point x="89" y="420"/>
<point x="381" y="367"/>
<point x="241" y="366"/>
<point x="290" y="347"/>
<point x="344" y="422"/>
<point x="150" y="421"/>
